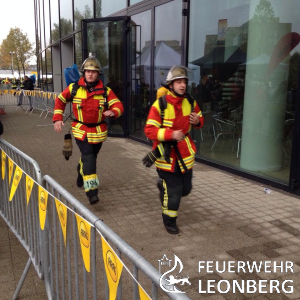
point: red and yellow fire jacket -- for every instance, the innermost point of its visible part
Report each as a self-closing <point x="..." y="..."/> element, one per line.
<point x="176" y="117"/>
<point x="88" y="108"/>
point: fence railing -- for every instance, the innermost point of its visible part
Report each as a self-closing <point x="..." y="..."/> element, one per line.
<point x="18" y="172"/>
<point x="38" y="100"/>
<point x="77" y="255"/>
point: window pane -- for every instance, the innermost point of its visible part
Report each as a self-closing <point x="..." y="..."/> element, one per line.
<point x="40" y="70"/>
<point x="105" y="8"/>
<point x="66" y="19"/>
<point x="82" y="10"/>
<point x="167" y="40"/>
<point x="42" y="23"/>
<point x="140" y="70"/>
<point x="78" y="52"/>
<point x="47" y="22"/>
<point x="44" y="77"/>
<point x="38" y="28"/>
<point x="49" y="70"/>
<point x="248" y="81"/>
<point x="55" y="34"/>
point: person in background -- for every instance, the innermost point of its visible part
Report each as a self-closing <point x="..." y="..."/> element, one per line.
<point x="27" y="86"/>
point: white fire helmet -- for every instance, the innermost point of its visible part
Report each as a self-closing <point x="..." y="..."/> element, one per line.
<point x="177" y="72"/>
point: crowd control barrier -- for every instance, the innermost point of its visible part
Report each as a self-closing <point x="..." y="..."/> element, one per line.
<point x="87" y="260"/>
<point x="76" y="254"/>
<point x="38" y="100"/>
<point x="19" y="205"/>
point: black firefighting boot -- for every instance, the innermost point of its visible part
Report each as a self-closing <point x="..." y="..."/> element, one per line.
<point x="79" y="180"/>
<point x="170" y="224"/>
<point x="93" y="196"/>
<point x="93" y="199"/>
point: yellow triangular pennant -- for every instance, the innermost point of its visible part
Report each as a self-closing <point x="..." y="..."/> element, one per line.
<point x="84" y="232"/>
<point x="43" y="199"/>
<point x="29" y="186"/>
<point x="10" y="168"/>
<point x="16" y="181"/>
<point x="143" y="294"/>
<point x="62" y="211"/>
<point x="113" y="267"/>
<point x="3" y="155"/>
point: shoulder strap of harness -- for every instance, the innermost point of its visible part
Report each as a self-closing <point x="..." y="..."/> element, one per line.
<point x="191" y="101"/>
<point x="75" y="88"/>
<point x="162" y="105"/>
<point x="105" y="98"/>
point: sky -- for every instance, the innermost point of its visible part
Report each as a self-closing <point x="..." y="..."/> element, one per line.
<point x="17" y="13"/>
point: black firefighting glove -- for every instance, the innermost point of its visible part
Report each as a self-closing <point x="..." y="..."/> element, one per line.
<point x="67" y="150"/>
<point x="151" y="157"/>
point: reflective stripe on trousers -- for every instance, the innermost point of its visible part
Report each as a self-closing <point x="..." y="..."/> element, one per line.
<point x="175" y="185"/>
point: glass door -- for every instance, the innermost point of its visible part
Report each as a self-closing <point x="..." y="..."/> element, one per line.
<point x="107" y="40"/>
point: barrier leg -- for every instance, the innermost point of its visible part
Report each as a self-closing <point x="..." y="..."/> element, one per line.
<point x="17" y="291"/>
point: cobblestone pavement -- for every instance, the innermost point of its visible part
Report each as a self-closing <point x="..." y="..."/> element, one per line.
<point x="225" y="218"/>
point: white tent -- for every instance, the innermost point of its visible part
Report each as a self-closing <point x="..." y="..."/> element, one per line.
<point x="8" y="74"/>
<point x="165" y="57"/>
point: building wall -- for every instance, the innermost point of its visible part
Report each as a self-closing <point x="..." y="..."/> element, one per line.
<point x="247" y="95"/>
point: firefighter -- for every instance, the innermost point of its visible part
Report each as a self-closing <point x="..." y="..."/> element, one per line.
<point x="173" y="148"/>
<point x="22" y="83"/>
<point x="14" y="83"/>
<point x="92" y="103"/>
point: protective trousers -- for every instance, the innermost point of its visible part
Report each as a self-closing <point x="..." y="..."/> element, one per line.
<point x="174" y="186"/>
<point x="87" y="166"/>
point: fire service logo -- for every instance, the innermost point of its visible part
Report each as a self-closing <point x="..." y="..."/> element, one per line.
<point x="169" y="281"/>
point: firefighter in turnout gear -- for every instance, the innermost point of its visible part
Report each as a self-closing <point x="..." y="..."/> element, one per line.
<point x="92" y="102"/>
<point x="14" y="83"/>
<point x="168" y="126"/>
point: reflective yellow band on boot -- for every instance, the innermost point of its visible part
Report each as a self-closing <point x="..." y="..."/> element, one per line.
<point x="90" y="182"/>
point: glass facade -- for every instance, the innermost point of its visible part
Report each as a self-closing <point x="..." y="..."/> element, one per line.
<point x="82" y="10"/>
<point x="140" y="66"/>
<point x="49" y="70"/>
<point x="167" y="40"/>
<point x="248" y="79"/>
<point x="47" y="23"/>
<point x="37" y="27"/>
<point x="105" y="8"/>
<point x="243" y="58"/>
<point x="55" y="31"/>
<point x="42" y="21"/>
<point x="78" y="52"/>
<point x="105" y="41"/>
<point x="66" y="17"/>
